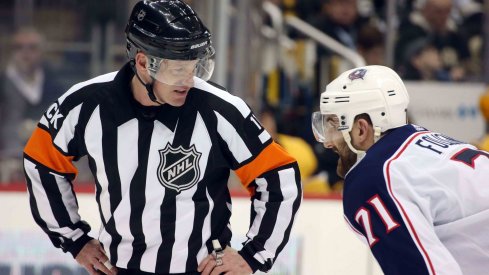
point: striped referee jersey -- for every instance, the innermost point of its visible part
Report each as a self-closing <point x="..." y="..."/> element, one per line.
<point x="161" y="175"/>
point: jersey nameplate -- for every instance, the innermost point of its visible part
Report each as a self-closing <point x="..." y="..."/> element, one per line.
<point x="179" y="167"/>
<point x="53" y="114"/>
<point x="436" y="142"/>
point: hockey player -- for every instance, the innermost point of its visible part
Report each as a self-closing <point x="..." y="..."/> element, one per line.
<point x="419" y="199"/>
<point x="161" y="142"/>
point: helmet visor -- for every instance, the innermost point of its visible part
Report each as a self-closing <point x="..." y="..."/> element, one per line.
<point x="325" y="127"/>
<point x="180" y="72"/>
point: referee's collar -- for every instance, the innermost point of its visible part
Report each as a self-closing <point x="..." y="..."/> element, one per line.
<point x="122" y="84"/>
<point x="165" y="113"/>
<point x="123" y="78"/>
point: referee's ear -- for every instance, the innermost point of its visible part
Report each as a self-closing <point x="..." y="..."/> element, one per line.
<point x="140" y="61"/>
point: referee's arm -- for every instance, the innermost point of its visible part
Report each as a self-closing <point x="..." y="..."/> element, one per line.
<point x="270" y="174"/>
<point x="273" y="179"/>
<point x="49" y="172"/>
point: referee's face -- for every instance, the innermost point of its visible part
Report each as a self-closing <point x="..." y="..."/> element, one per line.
<point x="172" y="94"/>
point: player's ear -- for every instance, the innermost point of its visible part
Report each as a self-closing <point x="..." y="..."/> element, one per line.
<point x="364" y="130"/>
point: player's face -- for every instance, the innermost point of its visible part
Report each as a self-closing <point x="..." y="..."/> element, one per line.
<point x="27" y="51"/>
<point x="325" y="129"/>
<point x="347" y="157"/>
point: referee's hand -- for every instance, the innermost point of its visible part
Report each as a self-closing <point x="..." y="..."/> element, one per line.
<point x="232" y="264"/>
<point x="92" y="257"/>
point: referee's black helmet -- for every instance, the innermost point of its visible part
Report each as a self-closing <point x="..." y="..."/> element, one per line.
<point x="168" y="29"/>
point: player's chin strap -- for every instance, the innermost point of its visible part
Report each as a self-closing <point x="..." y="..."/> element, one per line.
<point x="149" y="86"/>
<point x="377" y="133"/>
<point x="360" y="154"/>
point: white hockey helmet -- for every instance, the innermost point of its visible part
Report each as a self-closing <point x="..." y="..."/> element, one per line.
<point x="374" y="90"/>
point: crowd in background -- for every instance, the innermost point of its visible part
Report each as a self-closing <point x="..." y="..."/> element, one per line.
<point x="436" y="40"/>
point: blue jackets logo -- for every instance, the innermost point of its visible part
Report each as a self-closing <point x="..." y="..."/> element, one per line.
<point x="179" y="167"/>
<point x="357" y="74"/>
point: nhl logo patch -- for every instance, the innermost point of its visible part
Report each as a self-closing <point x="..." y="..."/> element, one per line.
<point x="141" y="15"/>
<point x="179" y="167"/>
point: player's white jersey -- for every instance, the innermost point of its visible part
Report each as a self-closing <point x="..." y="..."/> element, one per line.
<point x="420" y="200"/>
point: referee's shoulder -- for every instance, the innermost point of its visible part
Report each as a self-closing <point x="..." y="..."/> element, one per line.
<point x="88" y="90"/>
<point x="219" y="98"/>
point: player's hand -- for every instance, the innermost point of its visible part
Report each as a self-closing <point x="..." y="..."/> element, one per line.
<point x="232" y="264"/>
<point x="92" y="257"/>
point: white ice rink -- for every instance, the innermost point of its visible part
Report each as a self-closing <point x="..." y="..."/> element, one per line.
<point x="320" y="242"/>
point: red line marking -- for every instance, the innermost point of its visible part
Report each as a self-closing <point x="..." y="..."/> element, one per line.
<point x="89" y="187"/>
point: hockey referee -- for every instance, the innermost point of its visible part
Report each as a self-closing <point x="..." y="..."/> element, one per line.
<point x="161" y="142"/>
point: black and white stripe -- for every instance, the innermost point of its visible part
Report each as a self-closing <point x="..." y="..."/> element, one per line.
<point x="145" y="225"/>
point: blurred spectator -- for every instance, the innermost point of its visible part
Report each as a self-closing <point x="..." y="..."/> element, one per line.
<point x="288" y="7"/>
<point x="371" y="44"/>
<point x="27" y="88"/>
<point x="296" y="146"/>
<point x="338" y="19"/>
<point x="312" y="180"/>
<point x="431" y="19"/>
<point x="472" y="31"/>
<point x="308" y="9"/>
<point x="484" y="107"/>
<point x="422" y="61"/>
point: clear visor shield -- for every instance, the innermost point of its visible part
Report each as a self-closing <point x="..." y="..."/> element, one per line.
<point x="180" y="72"/>
<point x="325" y="127"/>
